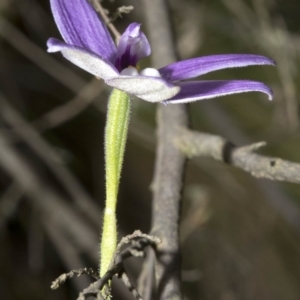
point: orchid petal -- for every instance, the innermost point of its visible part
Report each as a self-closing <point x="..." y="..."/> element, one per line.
<point x="84" y="59"/>
<point x="80" y="26"/>
<point x="151" y="89"/>
<point x="133" y="46"/>
<point x="194" y="67"/>
<point x="200" y="90"/>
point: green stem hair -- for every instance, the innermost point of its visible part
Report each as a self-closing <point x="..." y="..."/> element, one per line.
<point x="115" y="140"/>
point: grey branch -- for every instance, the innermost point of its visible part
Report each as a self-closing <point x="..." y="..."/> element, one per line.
<point x="194" y="144"/>
<point x="169" y="165"/>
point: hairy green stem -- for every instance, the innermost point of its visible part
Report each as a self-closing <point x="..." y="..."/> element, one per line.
<point x="115" y="140"/>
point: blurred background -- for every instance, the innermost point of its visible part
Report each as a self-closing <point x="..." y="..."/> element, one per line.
<point x="240" y="235"/>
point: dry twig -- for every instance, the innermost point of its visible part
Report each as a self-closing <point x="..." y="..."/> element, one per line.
<point x="99" y="8"/>
<point x="195" y="144"/>
<point x="139" y="241"/>
<point x="74" y="273"/>
<point x="120" y="11"/>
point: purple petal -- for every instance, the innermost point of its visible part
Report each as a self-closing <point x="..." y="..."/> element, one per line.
<point x="151" y="89"/>
<point x="194" y="67"/>
<point x="200" y="90"/>
<point x="84" y="59"/>
<point x="132" y="47"/>
<point x="80" y="26"/>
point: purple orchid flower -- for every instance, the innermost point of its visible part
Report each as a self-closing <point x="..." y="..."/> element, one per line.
<point x="89" y="45"/>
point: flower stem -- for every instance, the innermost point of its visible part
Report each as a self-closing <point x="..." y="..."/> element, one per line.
<point x="115" y="140"/>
